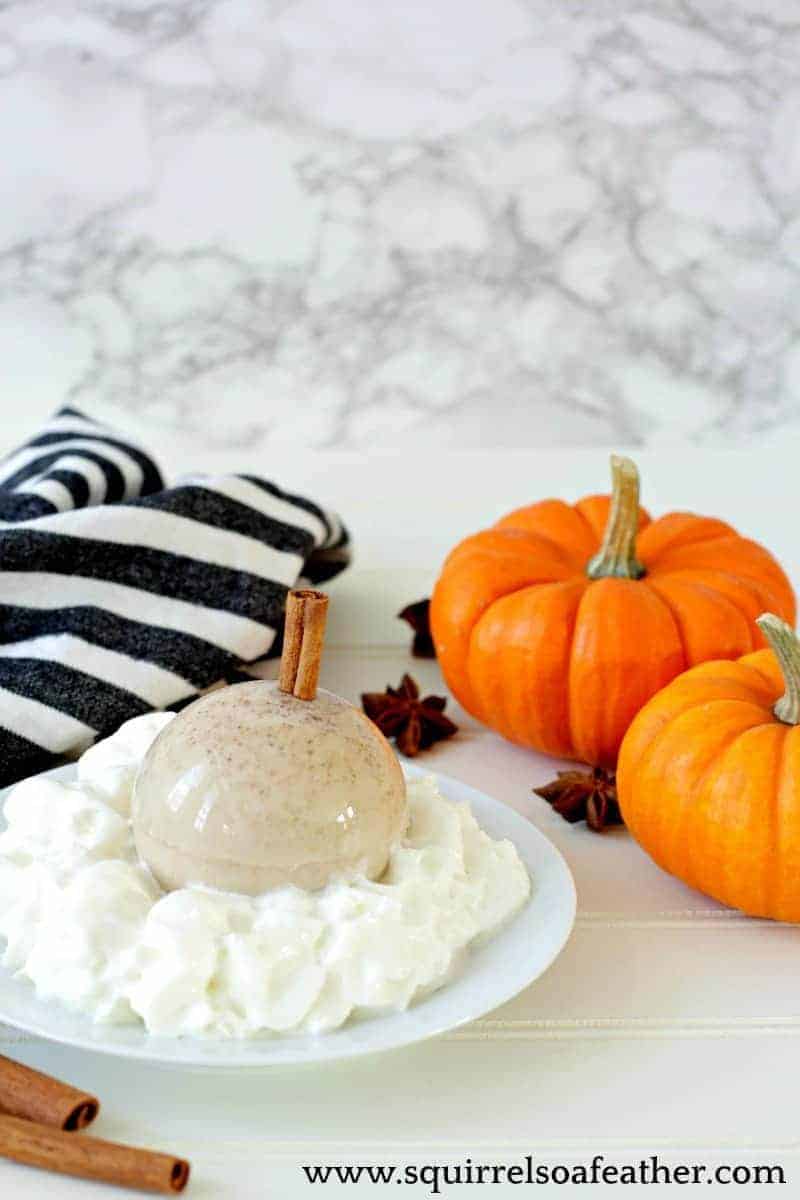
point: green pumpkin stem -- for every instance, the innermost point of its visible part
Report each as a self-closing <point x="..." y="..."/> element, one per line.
<point x="785" y="645"/>
<point x="616" y="557"/>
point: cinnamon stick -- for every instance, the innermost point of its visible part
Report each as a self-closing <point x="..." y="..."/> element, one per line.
<point x="90" y="1158"/>
<point x="304" y="633"/>
<point x="38" y="1097"/>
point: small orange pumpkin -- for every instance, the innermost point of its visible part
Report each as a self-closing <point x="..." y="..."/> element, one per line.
<point x="709" y="778"/>
<point x="556" y="625"/>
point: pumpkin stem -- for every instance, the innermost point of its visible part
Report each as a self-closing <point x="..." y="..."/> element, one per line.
<point x="785" y="645"/>
<point x="617" y="555"/>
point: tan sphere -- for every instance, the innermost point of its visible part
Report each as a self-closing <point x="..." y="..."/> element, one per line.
<point x="249" y="789"/>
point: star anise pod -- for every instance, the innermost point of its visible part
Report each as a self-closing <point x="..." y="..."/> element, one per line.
<point x="400" y="714"/>
<point x="589" y="796"/>
<point x="418" y="617"/>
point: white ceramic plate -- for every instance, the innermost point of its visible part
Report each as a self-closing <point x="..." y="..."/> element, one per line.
<point x="494" y="973"/>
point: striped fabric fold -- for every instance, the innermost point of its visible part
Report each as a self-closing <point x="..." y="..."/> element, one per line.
<point x="120" y="595"/>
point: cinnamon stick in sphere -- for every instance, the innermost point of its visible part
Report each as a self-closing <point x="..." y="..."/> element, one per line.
<point x="37" y="1097"/>
<point x="303" y="637"/>
<point x="90" y="1158"/>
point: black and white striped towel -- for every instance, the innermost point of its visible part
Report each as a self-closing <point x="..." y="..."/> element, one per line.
<point x="119" y="595"/>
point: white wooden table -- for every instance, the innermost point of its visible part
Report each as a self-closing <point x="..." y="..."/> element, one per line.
<point x="668" y="1025"/>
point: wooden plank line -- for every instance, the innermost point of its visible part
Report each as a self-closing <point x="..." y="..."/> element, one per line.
<point x="368" y="1151"/>
<point x="538" y="1029"/>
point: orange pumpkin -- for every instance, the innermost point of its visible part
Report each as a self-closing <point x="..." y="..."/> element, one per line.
<point x="557" y="624"/>
<point x="709" y="778"/>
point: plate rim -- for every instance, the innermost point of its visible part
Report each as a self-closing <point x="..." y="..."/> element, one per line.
<point x="196" y="1053"/>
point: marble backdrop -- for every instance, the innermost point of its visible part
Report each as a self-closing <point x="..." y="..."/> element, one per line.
<point x="364" y="223"/>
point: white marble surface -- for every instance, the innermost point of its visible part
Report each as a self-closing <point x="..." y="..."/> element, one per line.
<point x="530" y="222"/>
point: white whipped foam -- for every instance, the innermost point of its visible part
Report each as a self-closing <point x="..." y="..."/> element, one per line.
<point x="86" y="922"/>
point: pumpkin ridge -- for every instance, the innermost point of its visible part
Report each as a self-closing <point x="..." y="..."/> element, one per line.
<point x="761" y="680"/>
<point x="590" y="502"/>
<point x="770" y="597"/>
<point x="714" y="579"/>
<point x="727" y="881"/>
<point x="478" y="549"/>
<point x="767" y="565"/>
<point x="516" y="591"/>
<point x="667" y="855"/>
<point x="503" y="574"/>
<point x="787" y="907"/>
<point x="675" y="621"/>
<point x="682" y="538"/>
<point x="539" y="519"/>
<point x="480" y="543"/>
<point x="751" y="627"/>
<point x="571" y="668"/>
<point x="509" y="722"/>
<point x="697" y="794"/>
<point x="721" y="541"/>
<point x="560" y="549"/>
<point x="703" y="585"/>
<point x="777" y="592"/>
<point x="628" y="764"/>
<point x="752" y="665"/>
<point x="590" y="528"/>
<point x="757" y="682"/>
<point x="734" y="620"/>
<point x="751" y="577"/>
<point x="772" y="882"/>
<point x="610" y="676"/>
<point x="632" y="769"/>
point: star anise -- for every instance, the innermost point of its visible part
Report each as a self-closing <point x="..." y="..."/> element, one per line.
<point x="400" y="714"/>
<point x="418" y="617"/>
<point x="589" y="796"/>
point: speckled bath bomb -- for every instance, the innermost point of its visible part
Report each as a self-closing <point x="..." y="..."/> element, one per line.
<point x="249" y="789"/>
